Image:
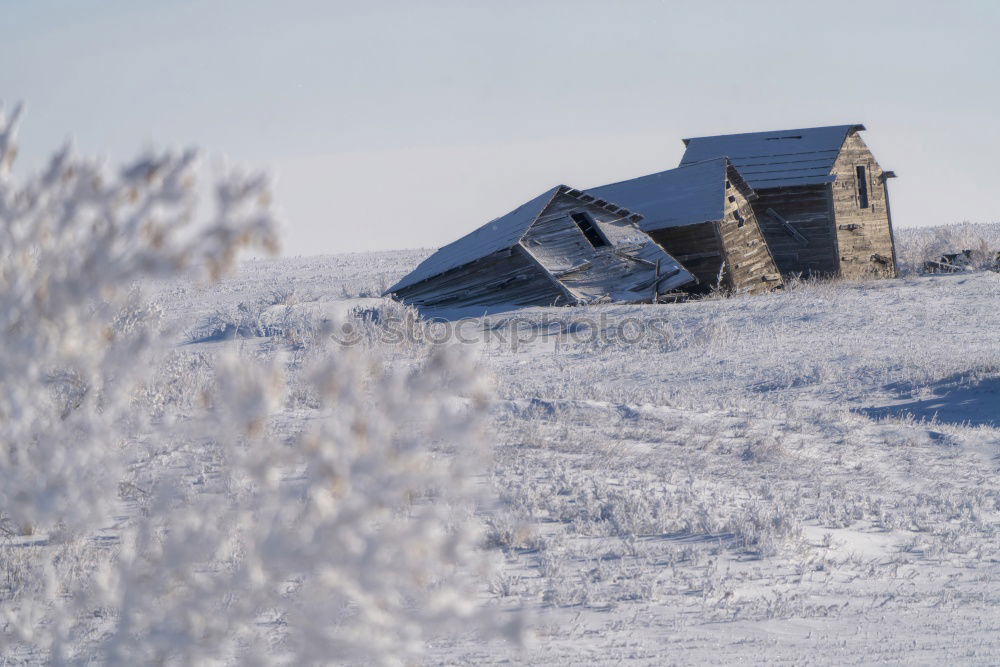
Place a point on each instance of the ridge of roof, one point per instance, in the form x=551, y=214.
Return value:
x=853, y=127
x=776, y=158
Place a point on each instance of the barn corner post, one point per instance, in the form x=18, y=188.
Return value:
x=656, y=282
x=725, y=276
x=838, y=263
x=886, y=175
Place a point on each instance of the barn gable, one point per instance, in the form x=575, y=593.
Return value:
x=700, y=214
x=562, y=247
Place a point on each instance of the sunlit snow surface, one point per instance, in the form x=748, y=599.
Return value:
x=810, y=476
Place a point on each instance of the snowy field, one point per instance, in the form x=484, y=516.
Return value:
x=805, y=477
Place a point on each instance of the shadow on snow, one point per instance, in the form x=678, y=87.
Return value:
x=976, y=404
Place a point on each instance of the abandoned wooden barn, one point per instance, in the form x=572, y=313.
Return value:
x=562, y=247
x=822, y=201
x=701, y=214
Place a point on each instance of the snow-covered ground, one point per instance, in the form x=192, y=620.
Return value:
x=809, y=476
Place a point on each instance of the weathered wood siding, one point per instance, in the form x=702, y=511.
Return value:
x=611, y=277
x=508, y=276
x=555, y=240
x=698, y=248
x=864, y=235
x=809, y=210
x=749, y=263
x=623, y=270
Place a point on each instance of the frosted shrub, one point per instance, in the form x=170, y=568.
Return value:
x=763, y=527
x=916, y=246
x=221, y=538
x=77, y=337
x=350, y=541
x=249, y=319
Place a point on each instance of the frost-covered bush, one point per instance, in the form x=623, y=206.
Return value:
x=763, y=527
x=154, y=507
x=78, y=338
x=247, y=319
x=918, y=245
x=351, y=539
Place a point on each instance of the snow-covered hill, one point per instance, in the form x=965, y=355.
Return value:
x=809, y=476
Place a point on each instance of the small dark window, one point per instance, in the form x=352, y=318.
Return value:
x=588, y=226
x=862, y=175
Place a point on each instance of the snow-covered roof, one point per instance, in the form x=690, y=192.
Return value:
x=496, y=235
x=686, y=195
x=776, y=159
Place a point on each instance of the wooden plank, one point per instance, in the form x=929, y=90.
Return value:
x=656, y=281
x=794, y=233
x=665, y=277
x=574, y=269
x=696, y=255
x=632, y=258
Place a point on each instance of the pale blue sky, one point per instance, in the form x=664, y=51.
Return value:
x=407, y=124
